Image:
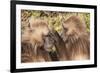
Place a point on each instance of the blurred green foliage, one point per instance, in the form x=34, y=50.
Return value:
x=55, y=19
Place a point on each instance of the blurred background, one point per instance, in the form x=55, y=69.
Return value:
x=53, y=18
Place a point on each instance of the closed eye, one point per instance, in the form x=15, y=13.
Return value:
x=47, y=35
x=32, y=31
x=66, y=29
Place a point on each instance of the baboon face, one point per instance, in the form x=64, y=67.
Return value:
x=41, y=33
x=68, y=28
x=39, y=30
x=73, y=26
x=48, y=42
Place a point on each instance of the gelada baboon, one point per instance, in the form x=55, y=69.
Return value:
x=61, y=51
x=76, y=38
x=35, y=42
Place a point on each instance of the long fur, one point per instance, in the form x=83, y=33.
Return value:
x=32, y=42
x=76, y=39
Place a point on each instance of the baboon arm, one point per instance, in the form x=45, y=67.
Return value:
x=60, y=46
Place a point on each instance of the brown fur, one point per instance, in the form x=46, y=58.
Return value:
x=61, y=51
x=76, y=38
x=28, y=55
x=32, y=42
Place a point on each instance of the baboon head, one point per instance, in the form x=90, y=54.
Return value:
x=76, y=38
x=48, y=43
x=73, y=26
x=40, y=33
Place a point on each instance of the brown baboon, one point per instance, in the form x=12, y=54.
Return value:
x=76, y=38
x=33, y=49
x=61, y=51
x=49, y=44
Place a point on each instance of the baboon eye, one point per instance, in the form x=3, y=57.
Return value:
x=66, y=29
x=32, y=30
x=47, y=35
